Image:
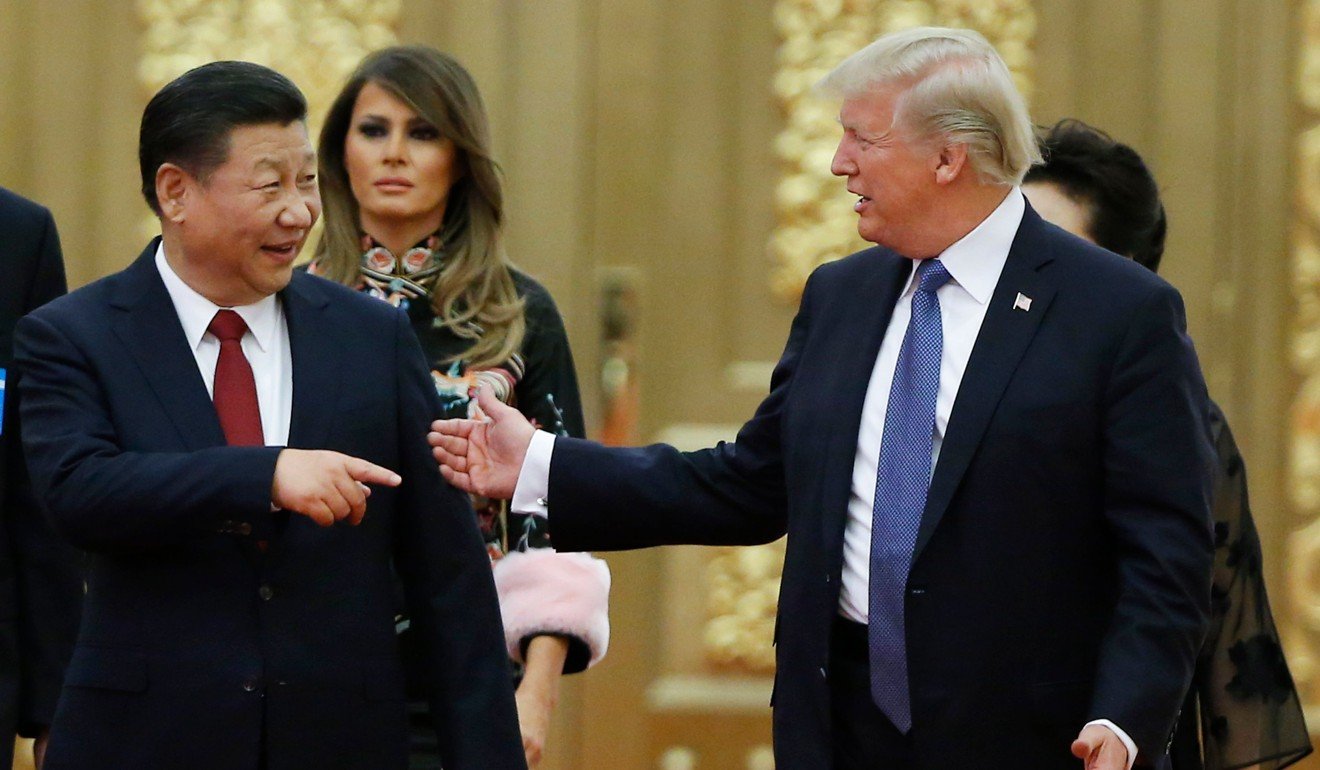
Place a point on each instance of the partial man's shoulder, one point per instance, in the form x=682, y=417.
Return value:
x=846, y=272
x=1085, y=267
x=18, y=208
x=82, y=305
x=345, y=299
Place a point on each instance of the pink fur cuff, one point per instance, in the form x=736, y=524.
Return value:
x=545, y=592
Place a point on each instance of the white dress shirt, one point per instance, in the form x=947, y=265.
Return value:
x=974, y=263
x=265, y=344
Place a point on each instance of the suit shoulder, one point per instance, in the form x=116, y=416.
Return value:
x=17, y=209
x=82, y=305
x=1085, y=267
x=851, y=268
x=345, y=300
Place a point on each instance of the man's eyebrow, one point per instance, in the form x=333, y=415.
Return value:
x=278, y=162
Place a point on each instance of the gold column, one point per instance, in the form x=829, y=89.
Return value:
x=1303, y=554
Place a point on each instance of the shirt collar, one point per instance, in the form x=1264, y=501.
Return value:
x=975, y=261
x=195, y=311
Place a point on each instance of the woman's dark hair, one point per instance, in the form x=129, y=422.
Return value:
x=187, y=122
x=1112, y=181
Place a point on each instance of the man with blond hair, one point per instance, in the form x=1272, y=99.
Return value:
x=993, y=471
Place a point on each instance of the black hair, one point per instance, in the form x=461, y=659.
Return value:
x=1113, y=182
x=188, y=122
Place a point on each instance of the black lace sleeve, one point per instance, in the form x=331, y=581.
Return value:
x=1243, y=694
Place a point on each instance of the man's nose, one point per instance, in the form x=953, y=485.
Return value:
x=299, y=214
x=842, y=164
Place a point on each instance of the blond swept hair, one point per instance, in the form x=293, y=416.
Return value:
x=955, y=88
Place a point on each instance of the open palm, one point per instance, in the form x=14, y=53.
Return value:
x=483, y=456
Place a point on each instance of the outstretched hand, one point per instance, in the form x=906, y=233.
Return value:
x=1100, y=748
x=483, y=456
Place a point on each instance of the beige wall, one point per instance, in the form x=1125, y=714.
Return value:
x=638, y=134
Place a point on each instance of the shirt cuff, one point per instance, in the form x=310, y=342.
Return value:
x=1122, y=736
x=529, y=496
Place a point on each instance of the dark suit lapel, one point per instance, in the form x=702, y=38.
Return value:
x=316, y=376
x=317, y=365
x=1005, y=334
x=855, y=348
x=149, y=328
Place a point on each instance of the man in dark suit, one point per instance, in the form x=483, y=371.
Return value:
x=206, y=425
x=986, y=441
x=40, y=580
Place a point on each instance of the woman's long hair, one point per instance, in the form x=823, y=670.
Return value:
x=474, y=294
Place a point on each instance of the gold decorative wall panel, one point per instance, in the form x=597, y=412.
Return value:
x=743, y=592
x=316, y=43
x=1303, y=555
x=815, y=223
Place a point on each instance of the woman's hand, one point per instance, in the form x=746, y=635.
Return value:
x=539, y=694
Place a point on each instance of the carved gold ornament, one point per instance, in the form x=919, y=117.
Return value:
x=316, y=43
x=1303, y=550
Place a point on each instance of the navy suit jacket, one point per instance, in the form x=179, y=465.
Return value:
x=1062, y=566
x=40, y=575
x=197, y=650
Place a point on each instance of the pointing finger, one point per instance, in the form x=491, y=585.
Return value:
x=361, y=470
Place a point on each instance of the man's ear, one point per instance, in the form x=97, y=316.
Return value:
x=950, y=162
x=173, y=187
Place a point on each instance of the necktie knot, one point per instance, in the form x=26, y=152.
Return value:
x=228, y=326
x=931, y=275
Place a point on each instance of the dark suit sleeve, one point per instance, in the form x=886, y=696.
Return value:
x=103, y=498
x=450, y=591
x=47, y=570
x=1158, y=467
x=604, y=499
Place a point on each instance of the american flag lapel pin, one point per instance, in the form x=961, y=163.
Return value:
x=1023, y=302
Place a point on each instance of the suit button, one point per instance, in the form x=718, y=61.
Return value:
x=823, y=675
x=244, y=528
x=250, y=685
x=827, y=577
x=266, y=593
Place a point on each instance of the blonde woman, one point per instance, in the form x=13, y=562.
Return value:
x=413, y=215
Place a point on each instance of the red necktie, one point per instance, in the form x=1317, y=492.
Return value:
x=235, y=391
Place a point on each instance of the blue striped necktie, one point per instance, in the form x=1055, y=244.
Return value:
x=901, y=484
